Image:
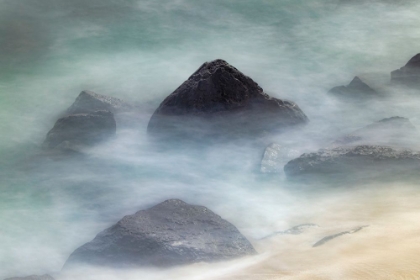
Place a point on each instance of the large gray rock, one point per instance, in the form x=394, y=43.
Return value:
x=81, y=130
x=349, y=161
x=396, y=131
x=170, y=233
x=408, y=75
x=89, y=101
x=356, y=89
x=32, y=277
x=219, y=100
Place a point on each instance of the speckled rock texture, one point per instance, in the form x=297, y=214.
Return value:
x=170, y=233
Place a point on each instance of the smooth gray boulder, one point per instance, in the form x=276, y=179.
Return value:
x=408, y=75
x=89, y=101
x=356, y=89
x=81, y=130
x=395, y=131
x=219, y=100
x=170, y=233
x=32, y=277
x=364, y=160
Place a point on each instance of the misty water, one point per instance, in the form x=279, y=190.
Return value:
x=141, y=51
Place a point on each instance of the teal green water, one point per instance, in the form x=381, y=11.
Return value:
x=141, y=51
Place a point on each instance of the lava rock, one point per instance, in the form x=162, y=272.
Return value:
x=408, y=75
x=394, y=131
x=89, y=101
x=364, y=160
x=356, y=89
x=81, y=130
x=170, y=233
x=219, y=100
x=32, y=277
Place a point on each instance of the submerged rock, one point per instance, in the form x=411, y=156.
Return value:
x=331, y=237
x=275, y=157
x=32, y=277
x=408, y=75
x=219, y=100
x=356, y=89
x=170, y=233
x=363, y=160
x=89, y=101
x=81, y=130
x=294, y=230
x=389, y=131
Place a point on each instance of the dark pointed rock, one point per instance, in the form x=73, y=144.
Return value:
x=366, y=161
x=219, y=100
x=170, y=233
x=356, y=89
x=408, y=75
x=81, y=130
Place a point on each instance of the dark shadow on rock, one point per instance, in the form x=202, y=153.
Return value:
x=357, y=90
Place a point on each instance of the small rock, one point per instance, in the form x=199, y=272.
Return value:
x=89, y=101
x=356, y=89
x=331, y=237
x=275, y=157
x=81, y=130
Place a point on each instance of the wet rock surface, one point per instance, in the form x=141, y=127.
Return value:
x=356, y=89
x=32, y=277
x=170, y=233
x=364, y=160
x=80, y=130
x=219, y=100
x=408, y=75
